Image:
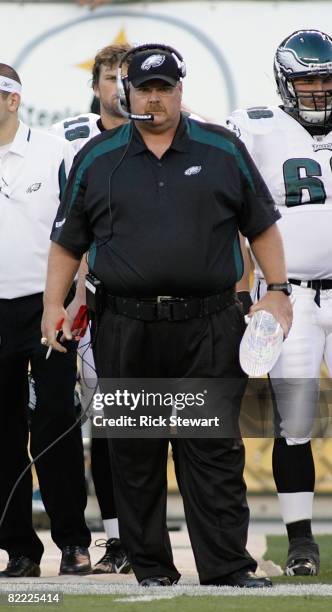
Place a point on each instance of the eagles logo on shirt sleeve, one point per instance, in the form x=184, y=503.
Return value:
x=234, y=128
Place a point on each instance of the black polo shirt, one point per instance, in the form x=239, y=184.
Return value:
x=168, y=226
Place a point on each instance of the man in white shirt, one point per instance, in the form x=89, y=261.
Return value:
x=33, y=167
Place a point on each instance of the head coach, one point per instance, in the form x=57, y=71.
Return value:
x=159, y=202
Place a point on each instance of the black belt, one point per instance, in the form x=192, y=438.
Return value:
x=317, y=285
x=168, y=308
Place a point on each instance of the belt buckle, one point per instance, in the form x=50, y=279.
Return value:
x=164, y=307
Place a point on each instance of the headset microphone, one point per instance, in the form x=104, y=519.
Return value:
x=133, y=116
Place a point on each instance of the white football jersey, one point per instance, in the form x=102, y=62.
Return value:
x=78, y=130
x=297, y=169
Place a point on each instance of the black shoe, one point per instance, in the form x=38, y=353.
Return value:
x=20, y=567
x=75, y=560
x=156, y=581
x=114, y=561
x=242, y=578
x=303, y=557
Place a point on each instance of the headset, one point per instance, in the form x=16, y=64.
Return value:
x=123, y=84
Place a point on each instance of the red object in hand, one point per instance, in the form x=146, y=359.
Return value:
x=81, y=322
x=59, y=324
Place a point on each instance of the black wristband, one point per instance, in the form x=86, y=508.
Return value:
x=246, y=301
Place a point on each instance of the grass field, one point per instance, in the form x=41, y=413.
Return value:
x=275, y=599
x=277, y=551
x=202, y=604
x=101, y=603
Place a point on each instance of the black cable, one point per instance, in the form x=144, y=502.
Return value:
x=110, y=178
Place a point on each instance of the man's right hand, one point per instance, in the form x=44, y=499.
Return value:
x=55, y=319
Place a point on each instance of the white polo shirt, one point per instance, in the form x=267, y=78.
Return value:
x=32, y=174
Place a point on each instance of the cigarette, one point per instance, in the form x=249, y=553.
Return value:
x=49, y=352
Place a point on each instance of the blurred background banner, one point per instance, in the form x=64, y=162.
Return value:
x=228, y=48
x=258, y=470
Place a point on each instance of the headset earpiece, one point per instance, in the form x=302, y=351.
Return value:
x=180, y=62
x=121, y=87
x=125, y=84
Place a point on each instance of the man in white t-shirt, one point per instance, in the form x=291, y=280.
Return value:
x=33, y=169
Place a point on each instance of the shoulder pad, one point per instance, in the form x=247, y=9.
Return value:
x=259, y=112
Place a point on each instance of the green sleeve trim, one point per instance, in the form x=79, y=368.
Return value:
x=120, y=139
x=62, y=179
x=92, y=255
x=238, y=258
x=199, y=134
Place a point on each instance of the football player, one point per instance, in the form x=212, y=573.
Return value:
x=292, y=147
x=79, y=130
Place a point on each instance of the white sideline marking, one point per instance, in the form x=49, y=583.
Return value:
x=145, y=598
x=129, y=591
x=301, y=590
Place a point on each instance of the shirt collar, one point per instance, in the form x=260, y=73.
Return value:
x=21, y=140
x=180, y=141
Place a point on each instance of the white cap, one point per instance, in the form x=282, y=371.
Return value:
x=261, y=344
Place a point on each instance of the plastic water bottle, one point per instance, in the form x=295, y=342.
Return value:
x=261, y=344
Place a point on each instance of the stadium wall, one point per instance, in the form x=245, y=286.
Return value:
x=228, y=47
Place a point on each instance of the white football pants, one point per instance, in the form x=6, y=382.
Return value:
x=295, y=377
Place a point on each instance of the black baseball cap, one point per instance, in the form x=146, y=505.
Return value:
x=153, y=64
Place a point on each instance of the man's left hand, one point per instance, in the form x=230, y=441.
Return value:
x=279, y=305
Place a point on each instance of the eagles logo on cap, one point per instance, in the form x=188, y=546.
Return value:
x=149, y=65
x=153, y=61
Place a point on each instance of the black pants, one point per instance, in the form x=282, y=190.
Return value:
x=209, y=470
x=102, y=476
x=61, y=470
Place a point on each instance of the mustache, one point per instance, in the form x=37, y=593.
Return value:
x=154, y=108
